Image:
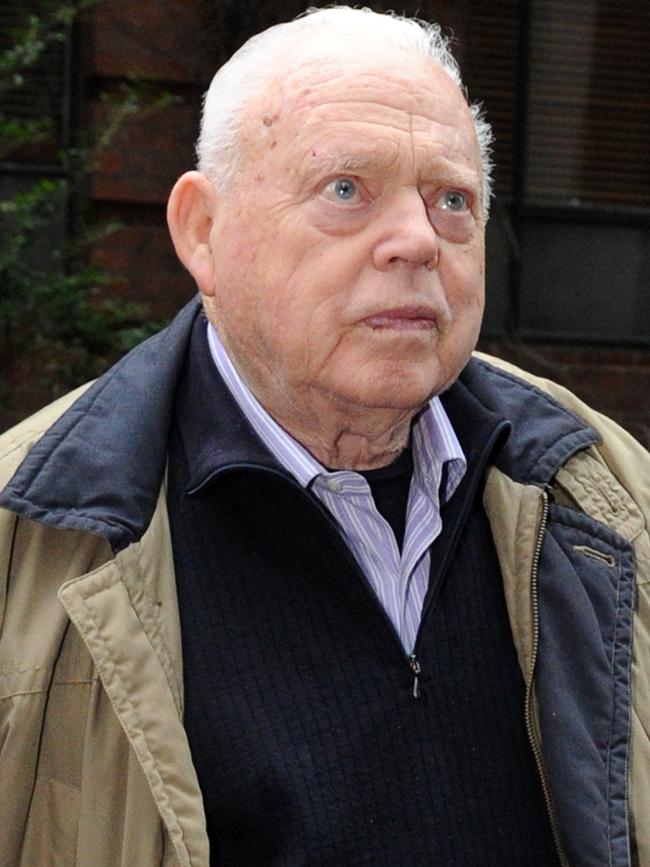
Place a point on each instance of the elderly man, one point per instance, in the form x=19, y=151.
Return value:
x=297, y=582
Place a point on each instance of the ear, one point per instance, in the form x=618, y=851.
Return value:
x=190, y=214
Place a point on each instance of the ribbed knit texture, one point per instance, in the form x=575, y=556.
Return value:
x=309, y=745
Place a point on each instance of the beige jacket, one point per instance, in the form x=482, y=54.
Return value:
x=95, y=767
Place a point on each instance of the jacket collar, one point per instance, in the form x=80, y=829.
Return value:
x=100, y=466
x=545, y=433
x=215, y=433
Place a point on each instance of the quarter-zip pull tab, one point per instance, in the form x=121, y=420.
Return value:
x=415, y=668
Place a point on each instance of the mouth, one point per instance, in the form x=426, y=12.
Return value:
x=402, y=319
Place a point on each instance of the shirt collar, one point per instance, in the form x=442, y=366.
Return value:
x=287, y=451
x=434, y=441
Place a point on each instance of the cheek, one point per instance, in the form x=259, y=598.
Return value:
x=467, y=311
x=464, y=278
x=241, y=252
x=314, y=295
x=309, y=325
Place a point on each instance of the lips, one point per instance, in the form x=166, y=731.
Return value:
x=402, y=319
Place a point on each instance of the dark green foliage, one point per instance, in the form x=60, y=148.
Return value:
x=59, y=324
x=57, y=311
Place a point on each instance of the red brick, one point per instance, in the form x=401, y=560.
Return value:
x=148, y=154
x=143, y=259
x=157, y=38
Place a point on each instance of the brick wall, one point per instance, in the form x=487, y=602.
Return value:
x=156, y=41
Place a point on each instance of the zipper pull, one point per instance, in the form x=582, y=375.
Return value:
x=415, y=668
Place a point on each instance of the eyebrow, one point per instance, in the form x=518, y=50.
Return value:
x=455, y=176
x=340, y=163
x=336, y=162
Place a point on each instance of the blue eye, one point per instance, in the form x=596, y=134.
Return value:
x=454, y=201
x=344, y=189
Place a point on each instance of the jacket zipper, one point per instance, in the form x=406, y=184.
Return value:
x=529, y=689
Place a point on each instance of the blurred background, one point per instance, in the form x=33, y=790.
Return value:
x=99, y=110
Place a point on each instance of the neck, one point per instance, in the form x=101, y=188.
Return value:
x=341, y=437
x=350, y=444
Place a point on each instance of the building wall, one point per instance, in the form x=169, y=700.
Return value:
x=159, y=42
x=177, y=44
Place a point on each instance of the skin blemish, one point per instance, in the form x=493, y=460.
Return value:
x=268, y=119
x=273, y=144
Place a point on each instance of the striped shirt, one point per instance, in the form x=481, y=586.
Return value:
x=399, y=579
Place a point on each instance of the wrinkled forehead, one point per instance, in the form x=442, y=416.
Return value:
x=307, y=80
x=371, y=89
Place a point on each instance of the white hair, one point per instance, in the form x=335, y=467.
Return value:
x=254, y=66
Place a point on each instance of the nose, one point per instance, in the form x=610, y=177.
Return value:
x=406, y=235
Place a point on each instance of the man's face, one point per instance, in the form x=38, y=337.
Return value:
x=348, y=253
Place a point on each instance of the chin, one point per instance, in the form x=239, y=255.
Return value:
x=399, y=388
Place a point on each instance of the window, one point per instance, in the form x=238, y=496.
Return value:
x=567, y=88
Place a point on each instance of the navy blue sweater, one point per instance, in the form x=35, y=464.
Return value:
x=310, y=746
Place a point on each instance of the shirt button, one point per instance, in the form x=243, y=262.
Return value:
x=334, y=486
